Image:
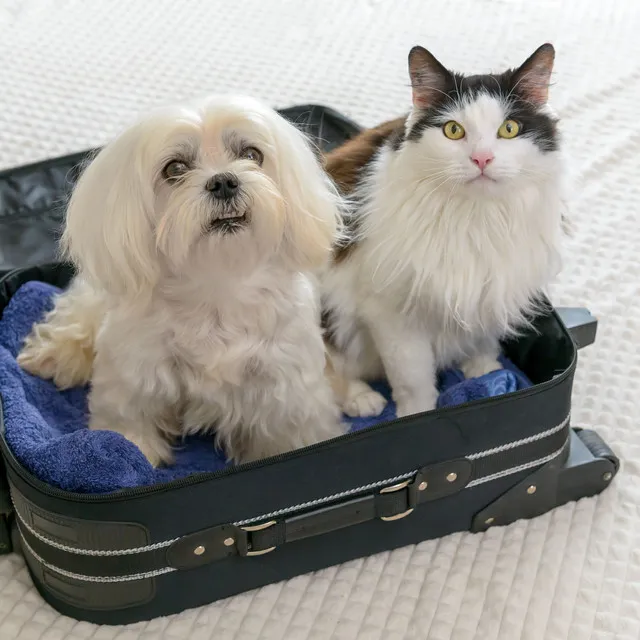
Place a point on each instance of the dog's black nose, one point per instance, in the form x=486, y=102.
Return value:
x=223, y=186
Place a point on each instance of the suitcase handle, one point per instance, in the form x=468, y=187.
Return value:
x=580, y=323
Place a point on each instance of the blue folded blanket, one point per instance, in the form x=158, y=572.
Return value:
x=47, y=429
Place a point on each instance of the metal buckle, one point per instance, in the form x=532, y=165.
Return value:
x=392, y=489
x=396, y=487
x=259, y=527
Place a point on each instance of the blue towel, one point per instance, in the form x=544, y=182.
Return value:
x=47, y=429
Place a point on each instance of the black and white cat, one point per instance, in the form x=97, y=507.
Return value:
x=458, y=227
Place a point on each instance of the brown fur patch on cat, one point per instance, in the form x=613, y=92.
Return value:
x=345, y=165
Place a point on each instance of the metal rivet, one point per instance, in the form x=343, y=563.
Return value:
x=229, y=542
x=607, y=476
x=532, y=489
x=422, y=486
x=452, y=477
x=489, y=521
x=199, y=550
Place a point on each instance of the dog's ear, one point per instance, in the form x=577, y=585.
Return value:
x=313, y=205
x=108, y=231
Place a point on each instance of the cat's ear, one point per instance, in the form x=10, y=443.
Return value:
x=428, y=77
x=531, y=80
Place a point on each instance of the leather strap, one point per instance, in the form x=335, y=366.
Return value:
x=389, y=504
x=397, y=501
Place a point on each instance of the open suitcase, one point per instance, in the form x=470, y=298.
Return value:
x=155, y=550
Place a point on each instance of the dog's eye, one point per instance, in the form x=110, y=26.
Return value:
x=175, y=169
x=253, y=154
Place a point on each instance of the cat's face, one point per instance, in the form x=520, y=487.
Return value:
x=482, y=132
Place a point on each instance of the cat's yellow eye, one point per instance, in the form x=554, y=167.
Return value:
x=453, y=130
x=509, y=129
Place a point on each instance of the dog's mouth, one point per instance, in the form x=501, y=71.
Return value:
x=230, y=222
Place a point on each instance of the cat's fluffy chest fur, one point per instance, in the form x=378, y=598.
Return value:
x=456, y=265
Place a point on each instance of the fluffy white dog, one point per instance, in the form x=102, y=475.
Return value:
x=196, y=234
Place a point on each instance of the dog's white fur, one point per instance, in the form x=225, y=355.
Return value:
x=445, y=267
x=196, y=329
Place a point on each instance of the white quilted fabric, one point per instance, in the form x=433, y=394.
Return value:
x=72, y=72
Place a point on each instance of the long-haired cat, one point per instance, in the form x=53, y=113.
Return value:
x=457, y=230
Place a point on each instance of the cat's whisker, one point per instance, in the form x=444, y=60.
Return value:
x=455, y=85
x=430, y=169
x=434, y=176
x=456, y=184
x=534, y=173
x=424, y=199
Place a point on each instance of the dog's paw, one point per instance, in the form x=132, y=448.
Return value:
x=67, y=363
x=480, y=366
x=156, y=450
x=362, y=401
x=37, y=363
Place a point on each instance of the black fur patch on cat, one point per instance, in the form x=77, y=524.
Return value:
x=534, y=124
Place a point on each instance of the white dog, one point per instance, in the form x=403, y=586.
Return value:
x=196, y=234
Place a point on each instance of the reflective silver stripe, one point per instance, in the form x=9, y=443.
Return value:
x=519, y=443
x=521, y=467
x=331, y=498
x=90, y=552
x=83, y=578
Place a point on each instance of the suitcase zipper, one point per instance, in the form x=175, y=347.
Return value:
x=135, y=492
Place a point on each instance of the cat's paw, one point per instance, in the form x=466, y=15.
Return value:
x=408, y=405
x=362, y=401
x=480, y=366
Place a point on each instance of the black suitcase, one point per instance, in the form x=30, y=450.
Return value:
x=151, y=551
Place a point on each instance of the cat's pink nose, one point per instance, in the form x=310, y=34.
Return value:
x=482, y=158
